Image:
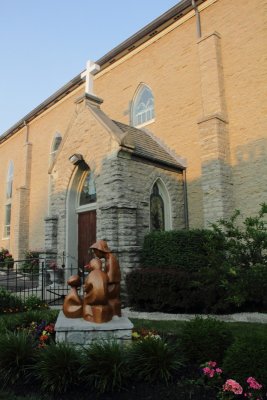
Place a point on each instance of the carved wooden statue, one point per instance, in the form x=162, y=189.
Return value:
x=101, y=299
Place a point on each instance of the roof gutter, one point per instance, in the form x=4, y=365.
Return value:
x=150, y=30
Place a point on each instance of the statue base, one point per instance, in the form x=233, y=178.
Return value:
x=79, y=331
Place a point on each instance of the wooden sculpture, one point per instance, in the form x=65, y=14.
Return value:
x=101, y=300
x=73, y=306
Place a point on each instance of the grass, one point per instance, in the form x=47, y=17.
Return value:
x=239, y=329
x=10, y=322
x=4, y=395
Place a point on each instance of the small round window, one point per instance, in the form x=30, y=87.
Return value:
x=88, y=192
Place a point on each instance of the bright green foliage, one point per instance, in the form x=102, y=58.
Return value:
x=152, y=359
x=205, y=339
x=246, y=357
x=16, y=358
x=245, y=241
x=244, y=270
x=58, y=367
x=104, y=366
x=221, y=270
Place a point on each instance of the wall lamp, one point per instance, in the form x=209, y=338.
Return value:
x=77, y=159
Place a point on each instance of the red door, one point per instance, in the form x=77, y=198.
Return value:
x=86, y=235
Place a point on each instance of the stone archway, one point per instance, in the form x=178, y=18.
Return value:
x=81, y=223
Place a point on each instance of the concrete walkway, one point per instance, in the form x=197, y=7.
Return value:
x=239, y=317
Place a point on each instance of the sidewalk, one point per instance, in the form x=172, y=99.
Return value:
x=239, y=317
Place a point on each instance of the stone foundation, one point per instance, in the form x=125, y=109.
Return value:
x=79, y=331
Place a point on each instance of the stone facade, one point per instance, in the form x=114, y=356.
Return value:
x=123, y=187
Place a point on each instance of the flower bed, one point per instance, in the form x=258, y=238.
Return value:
x=152, y=367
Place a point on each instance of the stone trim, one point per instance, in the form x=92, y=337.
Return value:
x=218, y=116
x=91, y=98
x=215, y=33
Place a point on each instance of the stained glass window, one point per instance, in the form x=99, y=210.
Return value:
x=88, y=192
x=157, y=222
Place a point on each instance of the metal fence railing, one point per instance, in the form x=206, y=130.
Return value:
x=37, y=278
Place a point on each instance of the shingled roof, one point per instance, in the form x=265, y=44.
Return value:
x=147, y=147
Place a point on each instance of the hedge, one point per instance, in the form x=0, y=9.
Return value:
x=209, y=290
x=188, y=249
x=173, y=290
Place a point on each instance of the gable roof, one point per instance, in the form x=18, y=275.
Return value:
x=145, y=146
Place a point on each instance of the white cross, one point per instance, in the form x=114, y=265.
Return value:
x=91, y=69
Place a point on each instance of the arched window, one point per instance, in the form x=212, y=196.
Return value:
x=9, y=181
x=159, y=208
x=143, y=111
x=9, y=193
x=88, y=192
x=55, y=145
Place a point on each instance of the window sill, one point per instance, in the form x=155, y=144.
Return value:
x=145, y=124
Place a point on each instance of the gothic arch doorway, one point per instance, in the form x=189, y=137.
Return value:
x=81, y=218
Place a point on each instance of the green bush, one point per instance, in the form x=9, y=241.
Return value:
x=104, y=366
x=31, y=263
x=246, y=357
x=6, y=259
x=152, y=360
x=187, y=249
x=34, y=303
x=16, y=358
x=220, y=270
x=174, y=290
x=58, y=367
x=9, y=303
x=205, y=339
x=244, y=241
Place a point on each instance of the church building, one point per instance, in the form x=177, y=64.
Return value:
x=166, y=131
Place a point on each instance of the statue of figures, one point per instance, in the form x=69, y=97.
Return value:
x=112, y=270
x=95, y=300
x=101, y=299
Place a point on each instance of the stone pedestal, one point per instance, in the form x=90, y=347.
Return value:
x=79, y=331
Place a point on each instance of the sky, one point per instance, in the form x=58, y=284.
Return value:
x=44, y=44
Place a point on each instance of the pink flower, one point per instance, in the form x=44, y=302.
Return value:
x=218, y=370
x=212, y=364
x=209, y=372
x=253, y=383
x=232, y=386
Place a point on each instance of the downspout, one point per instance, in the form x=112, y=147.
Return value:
x=197, y=18
x=27, y=131
x=185, y=201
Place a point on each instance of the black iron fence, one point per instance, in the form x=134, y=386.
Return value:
x=37, y=277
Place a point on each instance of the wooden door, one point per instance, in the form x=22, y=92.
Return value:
x=86, y=235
